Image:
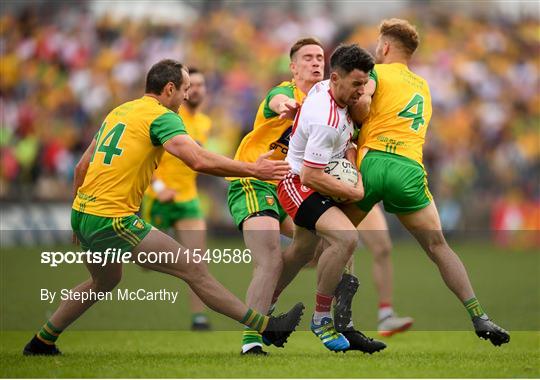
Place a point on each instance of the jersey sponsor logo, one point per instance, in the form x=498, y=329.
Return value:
x=269, y=200
x=282, y=144
x=391, y=145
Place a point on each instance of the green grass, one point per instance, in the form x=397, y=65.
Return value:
x=141, y=339
x=207, y=355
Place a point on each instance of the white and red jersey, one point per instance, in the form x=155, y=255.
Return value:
x=321, y=131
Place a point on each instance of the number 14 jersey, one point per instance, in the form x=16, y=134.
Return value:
x=128, y=150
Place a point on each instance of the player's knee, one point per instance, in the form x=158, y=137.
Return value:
x=272, y=262
x=347, y=242
x=382, y=251
x=268, y=251
x=437, y=244
x=194, y=272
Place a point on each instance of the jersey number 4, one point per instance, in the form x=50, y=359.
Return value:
x=109, y=144
x=414, y=110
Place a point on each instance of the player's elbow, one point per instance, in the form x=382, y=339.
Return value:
x=199, y=162
x=197, y=165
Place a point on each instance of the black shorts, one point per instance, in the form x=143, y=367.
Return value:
x=311, y=210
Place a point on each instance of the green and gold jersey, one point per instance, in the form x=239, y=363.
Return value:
x=269, y=131
x=400, y=112
x=128, y=149
x=174, y=172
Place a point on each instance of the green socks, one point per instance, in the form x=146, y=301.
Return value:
x=473, y=307
x=48, y=333
x=255, y=321
x=251, y=336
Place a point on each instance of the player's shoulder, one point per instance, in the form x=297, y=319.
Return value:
x=283, y=87
x=144, y=109
x=150, y=108
x=318, y=105
x=323, y=85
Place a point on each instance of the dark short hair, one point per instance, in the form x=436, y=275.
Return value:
x=163, y=72
x=194, y=70
x=346, y=58
x=401, y=31
x=303, y=42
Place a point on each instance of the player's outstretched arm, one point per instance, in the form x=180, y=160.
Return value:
x=361, y=109
x=204, y=161
x=284, y=106
x=318, y=180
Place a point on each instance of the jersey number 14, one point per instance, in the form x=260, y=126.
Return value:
x=414, y=110
x=109, y=144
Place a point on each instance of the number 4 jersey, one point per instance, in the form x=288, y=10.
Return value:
x=400, y=112
x=128, y=150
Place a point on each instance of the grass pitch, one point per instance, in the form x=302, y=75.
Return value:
x=127, y=339
x=216, y=354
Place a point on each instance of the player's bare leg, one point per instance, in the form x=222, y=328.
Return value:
x=300, y=252
x=214, y=294
x=336, y=229
x=262, y=238
x=102, y=279
x=425, y=226
x=192, y=233
x=374, y=235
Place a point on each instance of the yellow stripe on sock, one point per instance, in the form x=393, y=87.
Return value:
x=44, y=340
x=264, y=324
x=250, y=319
x=46, y=328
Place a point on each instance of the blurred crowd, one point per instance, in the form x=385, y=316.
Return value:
x=61, y=74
